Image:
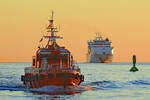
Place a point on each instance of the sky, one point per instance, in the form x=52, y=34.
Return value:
x=125, y=22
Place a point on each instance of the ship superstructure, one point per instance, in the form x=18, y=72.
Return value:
x=99, y=50
x=53, y=65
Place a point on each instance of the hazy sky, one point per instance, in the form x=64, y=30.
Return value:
x=125, y=22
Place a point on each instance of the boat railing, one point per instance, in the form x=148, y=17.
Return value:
x=57, y=68
x=75, y=67
x=51, y=68
x=32, y=70
x=28, y=70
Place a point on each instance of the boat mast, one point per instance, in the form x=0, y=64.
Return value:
x=98, y=36
x=52, y=30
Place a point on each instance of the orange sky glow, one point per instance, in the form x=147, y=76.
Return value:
x=125, y=22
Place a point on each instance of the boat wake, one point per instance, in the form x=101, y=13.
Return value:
x=105, y=85
x=51, y=90
x=97, y=85
x=140, y=82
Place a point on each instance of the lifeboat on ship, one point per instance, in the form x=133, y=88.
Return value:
x=52, y=65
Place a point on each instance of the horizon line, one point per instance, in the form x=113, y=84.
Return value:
x=75, y=62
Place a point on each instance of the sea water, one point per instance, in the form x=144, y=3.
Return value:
x=111, y=81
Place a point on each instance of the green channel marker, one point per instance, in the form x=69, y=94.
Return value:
x=134, y=69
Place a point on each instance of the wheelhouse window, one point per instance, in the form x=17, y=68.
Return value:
x=53, y=57
x=64, y=57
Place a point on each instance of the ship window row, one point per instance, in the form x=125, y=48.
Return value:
x=55, y=57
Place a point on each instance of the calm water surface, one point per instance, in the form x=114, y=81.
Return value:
x=102, y=82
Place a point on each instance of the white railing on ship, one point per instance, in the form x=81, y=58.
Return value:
x=31, y=70
x=52, y=68
x=28, y=70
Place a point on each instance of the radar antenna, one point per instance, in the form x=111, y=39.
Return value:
x=52, y=30
x=98, y=36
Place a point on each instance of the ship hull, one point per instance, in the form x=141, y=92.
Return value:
x=52, y=79
x=99, y=58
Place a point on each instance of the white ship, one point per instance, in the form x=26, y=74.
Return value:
x=99, y=50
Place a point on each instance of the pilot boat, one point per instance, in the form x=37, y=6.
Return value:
x=52, y=65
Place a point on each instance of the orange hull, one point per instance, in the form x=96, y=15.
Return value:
x=52, y=79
